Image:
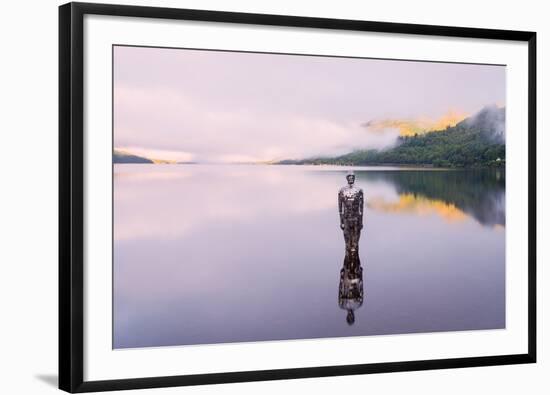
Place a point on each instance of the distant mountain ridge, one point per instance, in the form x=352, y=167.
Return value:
x=477, y=141
x=125, y=157
x=120, y=156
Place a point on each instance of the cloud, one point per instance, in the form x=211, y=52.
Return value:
x=166, y=124
x=491, y=119
x=218, y=106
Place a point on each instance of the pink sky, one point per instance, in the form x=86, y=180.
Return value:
x=229, y=106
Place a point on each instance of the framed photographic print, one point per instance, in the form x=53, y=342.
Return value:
x=258, y=197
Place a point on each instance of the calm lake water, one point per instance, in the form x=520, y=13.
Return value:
x=236, y=253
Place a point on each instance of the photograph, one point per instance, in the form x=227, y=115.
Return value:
x=275, y=197
x=270, y=197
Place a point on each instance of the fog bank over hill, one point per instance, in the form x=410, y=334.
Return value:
x=477, y=141
x=491, y=120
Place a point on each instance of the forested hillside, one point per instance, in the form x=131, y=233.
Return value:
x=477, y=141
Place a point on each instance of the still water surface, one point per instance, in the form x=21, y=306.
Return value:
x=235, y=253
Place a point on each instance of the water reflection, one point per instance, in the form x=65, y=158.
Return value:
x=419, y=205
x=435, y=260
x=452, y=195
x=350, y=290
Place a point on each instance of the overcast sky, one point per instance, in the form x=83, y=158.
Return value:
x=229, y=106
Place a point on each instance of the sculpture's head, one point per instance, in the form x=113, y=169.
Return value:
x=350, y=177
x=350, y=318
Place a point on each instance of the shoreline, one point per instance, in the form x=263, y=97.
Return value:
x=385, y=166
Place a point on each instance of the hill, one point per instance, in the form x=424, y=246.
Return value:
x=124, y=157
x=477, y=141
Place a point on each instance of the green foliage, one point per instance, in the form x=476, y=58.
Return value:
x=462, y=146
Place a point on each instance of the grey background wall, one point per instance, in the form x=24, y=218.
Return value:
x=28, y=198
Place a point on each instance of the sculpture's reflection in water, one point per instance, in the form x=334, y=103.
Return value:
x=350, y=291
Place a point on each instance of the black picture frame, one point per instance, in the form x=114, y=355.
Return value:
x=71, y=195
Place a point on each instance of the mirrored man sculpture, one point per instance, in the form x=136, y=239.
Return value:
x=350, y=206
